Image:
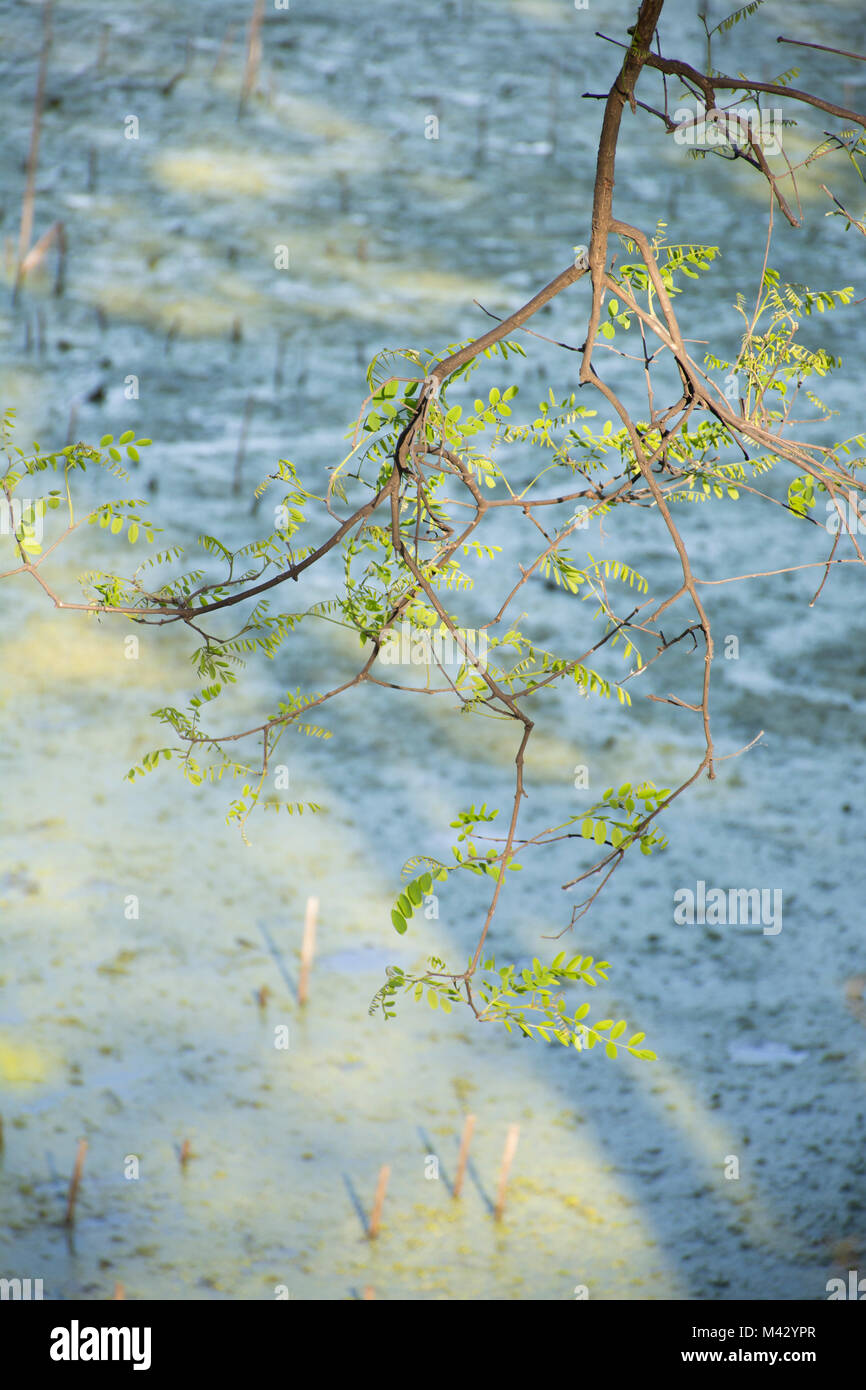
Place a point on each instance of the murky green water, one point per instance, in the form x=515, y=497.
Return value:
x=138, y=1032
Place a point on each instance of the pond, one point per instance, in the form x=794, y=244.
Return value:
x=150, y=956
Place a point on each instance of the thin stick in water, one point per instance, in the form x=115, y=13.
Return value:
x=56, y=235
x=505, y=1167
x=242, y=444
x=75, y=1181
x=308, y=947
x=379, y=1201
x=278, y=364
x=26, y=231
x=254, y=52
x=227, y=38
x=465, y=1141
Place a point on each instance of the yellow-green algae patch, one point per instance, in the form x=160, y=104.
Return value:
x=21, y=1062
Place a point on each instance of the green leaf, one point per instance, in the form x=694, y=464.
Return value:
x=400, y=923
